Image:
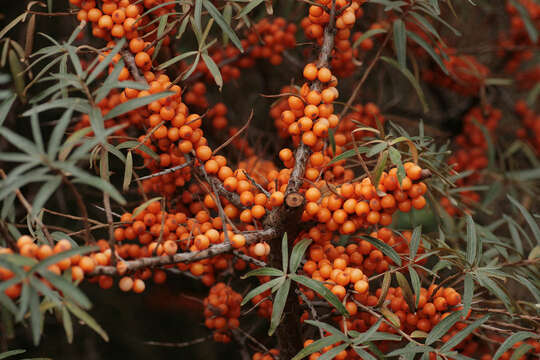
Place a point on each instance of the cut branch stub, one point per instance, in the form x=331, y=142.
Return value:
x=294, y=200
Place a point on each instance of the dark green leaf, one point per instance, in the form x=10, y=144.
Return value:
x=407, y=292
x=320, y=289
x=317, y=345
x=44, y=193
x=471, y=239
x=298, y=253
x=7, y=354
x=384, y=248
x=429, y=49
x=222, y=23
x=525, y=16
x=400, y=42
x=368, y=34
x=330, y=354
x=411, y=79
x=247, y=9
x=532, y=223
x=285, y=252
x=266, y=271
x=415, y=281
x=376, y=149
x=35, y=316
x=511, y=340
x=85, y=317
x=349, y=153
x=279, y=304
x=415, y=241
x=460, y=336
x=443, y=326
x=262, y=288
x=468, y=292
x=5, y=107
x=68, y=289
x=135, y=104
x=102, y=65
x=68, y=324
x=214, y=69
x=128, y=171
x=43, y=264
x=326, y=327
x=395, y=157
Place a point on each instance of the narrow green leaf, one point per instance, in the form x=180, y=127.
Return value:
x=411, y=79
x=265, y=271
x=384, y=248
x=5, y=107
x=471, y=239
x=415, y=241
x=262, y=288
x=35, y=316
x=390, y=316
x=85, y=317
x=376, y=149
x=279, y=304
x=43, y=264
x=520, y=351
x=18, y=141
x=407, y=292
x=327, y=327
x=363, y=353
x=443, y=326
x=222, y=23
x=102, y=65
x=525, y=16
x=7, y=354
x=468, y=292
x=320, y=289
x=429, y=49
x=368, y=34
x=395, y=158
x=316, y=346
x=135, y=104
x=511, y=340
x=330, y=354
x=285, y=252
x=532, y=223
x=366, y=336
x=68, y=289
x=248, y=8
x=214, y=69
x=460, y=336
x=298, y=253
x=400, y=42
x=350, y=153
x=128, y=171
x=415, y=281
x=385, y=286
x=59, y=132
x=68, y=324
x=45, y=192
x=176, y=59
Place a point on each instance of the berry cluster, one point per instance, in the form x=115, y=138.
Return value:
x=466, y=74
x=222, y=310
x=514, y=44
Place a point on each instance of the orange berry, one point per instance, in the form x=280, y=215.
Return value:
x=310, y=71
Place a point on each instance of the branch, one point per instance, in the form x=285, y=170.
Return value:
x=187, y=257
x=132, y=67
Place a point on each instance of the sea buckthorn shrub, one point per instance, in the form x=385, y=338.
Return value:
x=329, y=179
